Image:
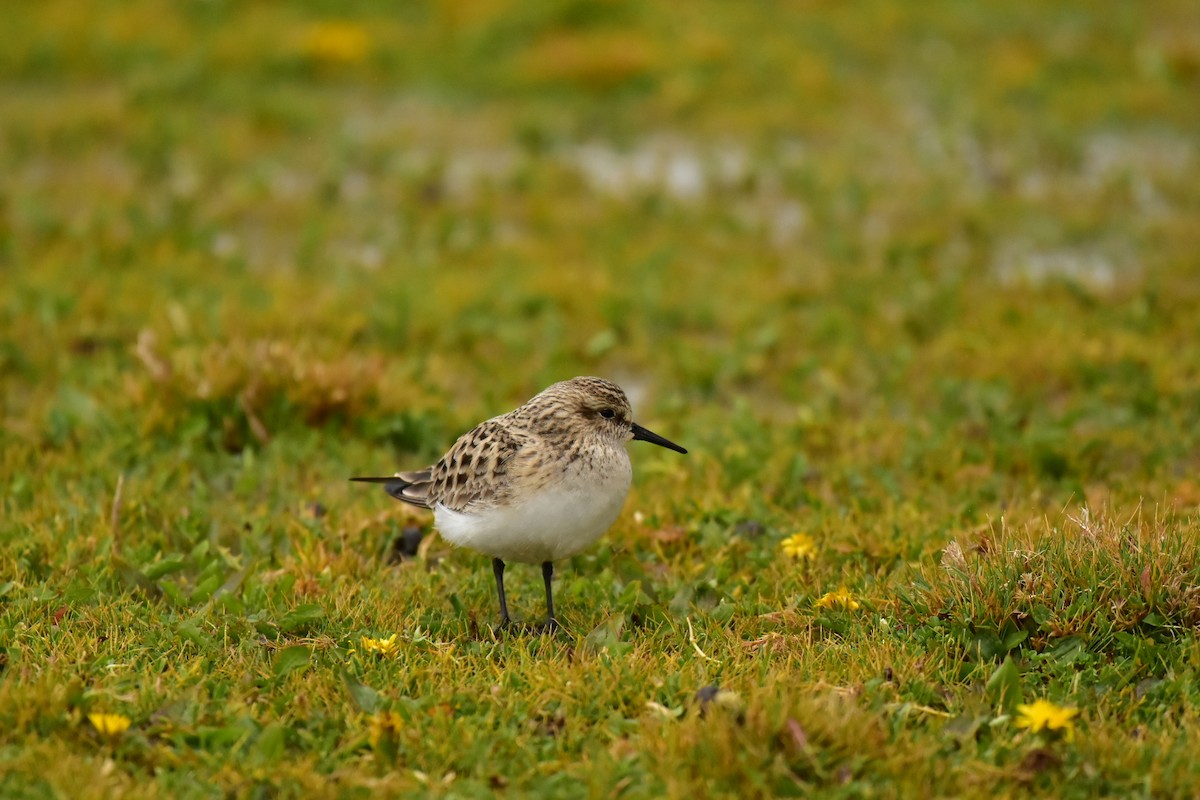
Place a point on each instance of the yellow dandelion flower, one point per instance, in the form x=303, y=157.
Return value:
x=1044, y=715
x=384, y=735
x=337, y=43
x=841, y=598
x=799, y=546
x=109, y=725
x=387, y=648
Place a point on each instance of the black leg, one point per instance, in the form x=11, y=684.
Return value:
x=547, y=575
x=498, y=571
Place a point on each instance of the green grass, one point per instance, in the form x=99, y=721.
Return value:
x=919, y=282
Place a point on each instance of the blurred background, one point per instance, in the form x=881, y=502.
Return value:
x=847, y=253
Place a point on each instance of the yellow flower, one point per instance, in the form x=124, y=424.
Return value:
x=388, y=647
x=384, y=735
x=1044, y=715
x=800, y=545
x=337, y=42
x=841, y=597
x=110, y=725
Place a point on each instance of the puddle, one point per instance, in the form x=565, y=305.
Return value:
x=1096, y=270
x=679, y=169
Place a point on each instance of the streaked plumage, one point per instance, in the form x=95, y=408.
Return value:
x=537, y=484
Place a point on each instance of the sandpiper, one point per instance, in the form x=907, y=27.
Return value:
x=537, y=484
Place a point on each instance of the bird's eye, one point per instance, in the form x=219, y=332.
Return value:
x=608, y=413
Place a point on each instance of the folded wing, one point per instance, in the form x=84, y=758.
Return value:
x=474, y=474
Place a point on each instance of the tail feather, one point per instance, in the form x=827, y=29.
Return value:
x=408, y=487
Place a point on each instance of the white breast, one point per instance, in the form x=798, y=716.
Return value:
x=553, y=523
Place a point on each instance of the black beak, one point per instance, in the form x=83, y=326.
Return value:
x=640, y=434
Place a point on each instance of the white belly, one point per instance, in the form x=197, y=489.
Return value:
x=554, y=523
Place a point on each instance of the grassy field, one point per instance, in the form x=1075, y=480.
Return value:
x=916, y=285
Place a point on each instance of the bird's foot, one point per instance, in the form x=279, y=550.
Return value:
x=506, y=625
